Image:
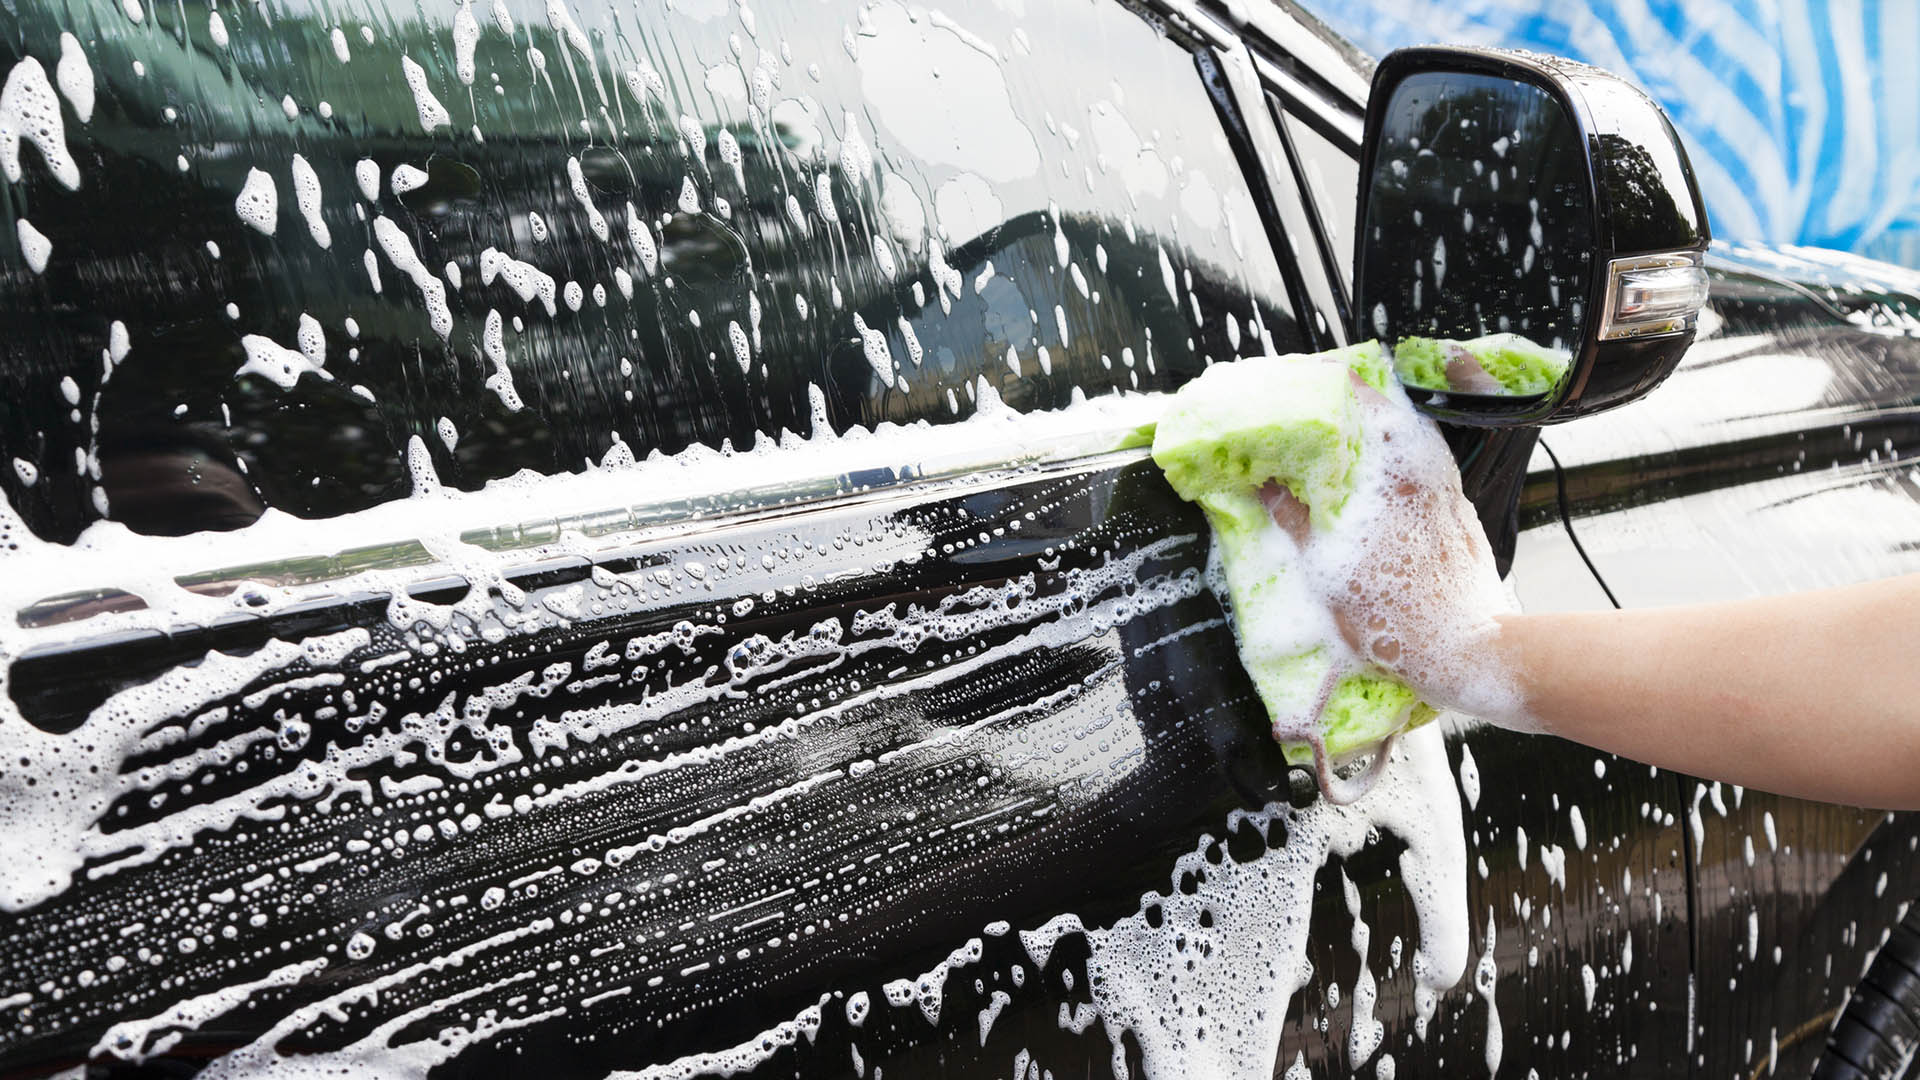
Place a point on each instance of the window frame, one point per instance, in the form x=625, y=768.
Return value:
x=1227, y=67
x=1338, y=119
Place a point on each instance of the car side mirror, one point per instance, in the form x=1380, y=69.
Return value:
x=1530, y=237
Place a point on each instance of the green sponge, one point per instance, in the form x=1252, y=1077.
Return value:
x=1293, y=419
x=1240, y=424
x=1520, y=366
x=1422, y=362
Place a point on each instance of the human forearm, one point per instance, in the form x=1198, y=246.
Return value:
x=1815, y=695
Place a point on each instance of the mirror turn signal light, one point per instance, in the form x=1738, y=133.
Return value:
x=1653, y=295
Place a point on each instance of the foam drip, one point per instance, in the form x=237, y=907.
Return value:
x=1248, y=924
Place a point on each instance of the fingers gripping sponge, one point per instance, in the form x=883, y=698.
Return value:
x=1293, y=419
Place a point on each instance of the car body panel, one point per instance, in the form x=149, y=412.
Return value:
x=587, y=773
x=1776, y=458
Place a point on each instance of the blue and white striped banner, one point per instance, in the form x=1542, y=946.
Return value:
x=1802, y=117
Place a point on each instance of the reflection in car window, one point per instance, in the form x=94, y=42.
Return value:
x=258, y=265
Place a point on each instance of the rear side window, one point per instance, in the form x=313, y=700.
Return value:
x=250, y=269
x=1332, y=178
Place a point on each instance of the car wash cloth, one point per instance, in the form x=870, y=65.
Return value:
x=1295, y=420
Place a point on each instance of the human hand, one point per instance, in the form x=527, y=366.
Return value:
x=1406, y=572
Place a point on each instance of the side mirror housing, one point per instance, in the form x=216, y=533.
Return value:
x=1530, y=236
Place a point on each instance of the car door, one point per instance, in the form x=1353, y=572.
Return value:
x=568, y=539
x=1577, y=889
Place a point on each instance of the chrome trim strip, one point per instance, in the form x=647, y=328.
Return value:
x=1350, y=125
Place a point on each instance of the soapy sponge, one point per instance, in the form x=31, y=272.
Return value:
x=1293, y=419
x=1240, y=424
x=1520, y=366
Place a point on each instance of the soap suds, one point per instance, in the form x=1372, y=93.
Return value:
x=1250, y=922
x=75, y=77
x=1426, y=555
x=577, y=181
x=525, y=279
x=306, y=195
x=276, y=363
x=29, y=110
x=1485, y=975
x=34, y=245
x=259, y=202
x=366, y=173
x=466, y=35
x=432, y=114
x=400, y=252
x=406, y=177
x=433, y=785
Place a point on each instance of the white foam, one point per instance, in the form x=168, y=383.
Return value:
x=366, y=172
x=1553, y=859
x=493, y=343
x=577, y=181
x=728, y=148
x=1249, y=953
x=57, y=816
x=1364, y=1033
x=75, y=76
x=374, y=1053
x=406, y=177
x=276, y=363
x=874, y=344
x=466, y=34
x=525, y=279
x=856, y=160
x=643, y=244
x=137, y=1040
x=312, y=340
x=740, y=1058
x=258, y=203
x=1469, y=777
x=432, y=113
x=1485, y=974
x=306, y=195
x=741, y=351
x=34, y=245
x=433, y=291
x=29, y=110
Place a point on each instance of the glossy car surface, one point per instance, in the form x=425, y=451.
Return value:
x=552, y=670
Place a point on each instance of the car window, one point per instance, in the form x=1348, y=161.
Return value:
x=291, y=263
x=1332, y=176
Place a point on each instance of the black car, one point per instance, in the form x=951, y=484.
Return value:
x=597, y=539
